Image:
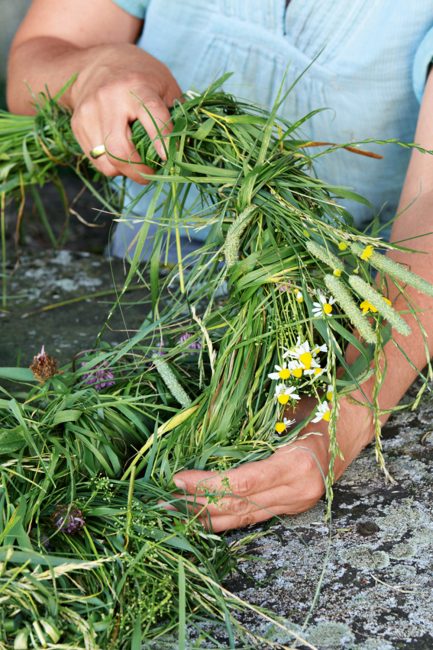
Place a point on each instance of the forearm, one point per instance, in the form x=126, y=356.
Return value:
x=43, y=63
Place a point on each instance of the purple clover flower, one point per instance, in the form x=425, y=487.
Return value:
x=99, y=377
x=68, y=519
x=194, y=345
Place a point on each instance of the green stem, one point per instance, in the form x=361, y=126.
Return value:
x=3, y=245
x=43, y=215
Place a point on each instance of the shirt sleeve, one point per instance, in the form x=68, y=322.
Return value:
x=423, y=60
x=135, y=7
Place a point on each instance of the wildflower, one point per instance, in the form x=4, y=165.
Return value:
x=330, y=392
x=68, y=519
x=367, y=253
x=43, y=366
x=282, y=372
x=280, y=427
x=323, y=412
x=324, y=306
x=194, y=345
x=304, y=358
x=296, y=369
x=342, y=246
x=298, y=296
x=100, y=376
x=284, y=393
x=337, y=273
x=316, y=370
x=367, y=307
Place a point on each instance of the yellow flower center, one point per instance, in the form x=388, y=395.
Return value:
x=342, y=246
x=299, y=297
x=317, y=371
x=327, y=308
x=284, y=373
x=297, y=372
x=326, y=416
x=329, y=395
x=283, y=399
x=306, y=358
x=337, y=273
x=367, y=252
x=280, y=427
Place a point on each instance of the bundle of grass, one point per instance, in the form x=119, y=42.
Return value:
x=238, y=332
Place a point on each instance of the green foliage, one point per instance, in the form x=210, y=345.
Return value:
x=253, y=297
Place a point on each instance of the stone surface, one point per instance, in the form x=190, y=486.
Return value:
x=62, y=300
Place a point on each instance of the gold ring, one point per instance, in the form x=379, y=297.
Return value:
x=98, y=151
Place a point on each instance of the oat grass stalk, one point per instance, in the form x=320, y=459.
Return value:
x=366, y=291
x=350, y=308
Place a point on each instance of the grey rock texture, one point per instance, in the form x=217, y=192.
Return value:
x=62, y=300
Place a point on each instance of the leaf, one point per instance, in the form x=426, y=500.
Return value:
x=17, y=374
x=68, y=415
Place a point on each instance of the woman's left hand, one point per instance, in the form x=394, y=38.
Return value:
x=290, y=481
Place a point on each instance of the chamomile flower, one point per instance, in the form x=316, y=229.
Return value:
x=282, y=373
x=323, y=412
x=323, y=307
x=320, y=348
x=304, y=359
x=330, y=392
x=296, y=369
x=298, y=296
x=280, y=427
x=315, y=370
x=285, y=393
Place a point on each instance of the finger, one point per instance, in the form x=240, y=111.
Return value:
x=245, y=480
x=156, y=119
x=295, y=498
x=92, y=128
x=122, y=155
x=230, y=522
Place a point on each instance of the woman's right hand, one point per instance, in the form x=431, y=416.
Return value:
x=122, y=84
x=117, y=82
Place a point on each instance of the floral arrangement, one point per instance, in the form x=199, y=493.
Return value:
x=237, y=333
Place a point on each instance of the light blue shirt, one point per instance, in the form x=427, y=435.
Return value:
x=369, y=62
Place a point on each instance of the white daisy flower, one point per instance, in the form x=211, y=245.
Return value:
x=323, y=307
x=323, y=412
x=285, y=393
x=330, y=392
x=282, y=373
x=280, y=427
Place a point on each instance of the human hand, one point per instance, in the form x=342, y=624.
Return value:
x=121, y=84
x=290, y=481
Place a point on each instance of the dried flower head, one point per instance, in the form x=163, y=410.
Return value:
x=68, y=519
x=44, y=366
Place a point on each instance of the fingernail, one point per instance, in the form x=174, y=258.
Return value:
x=179, y=483
x=160, y=149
